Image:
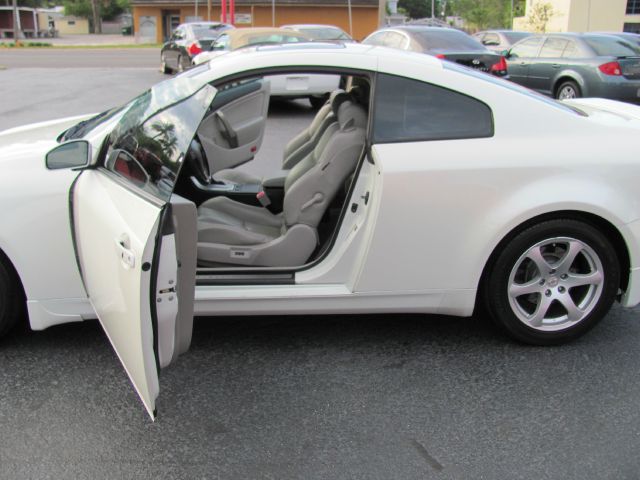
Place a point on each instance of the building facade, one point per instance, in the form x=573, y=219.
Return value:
x=586, y=16
x=154, y=20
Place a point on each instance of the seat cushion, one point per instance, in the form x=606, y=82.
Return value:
x=225, y=221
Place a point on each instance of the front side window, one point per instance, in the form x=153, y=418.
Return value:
x=148, y=145
x=526, y=48
x=410, y=110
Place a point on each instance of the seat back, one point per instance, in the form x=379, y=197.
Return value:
x=312, y=184
x=300, y=146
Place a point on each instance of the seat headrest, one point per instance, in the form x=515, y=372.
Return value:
x=351, y=115
x=337, y=98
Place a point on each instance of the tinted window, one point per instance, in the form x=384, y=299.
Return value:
x=410, y=110
x=208, y=31
x=327, y=33
x=446, y=40
x=553, y=47
x=514, y=37
x=572, y=50
x=526, y=48
x=375, y=39
x=611, y=46
x=395, y=40
x=148, y=150
x=491, y=39
x=272, y=38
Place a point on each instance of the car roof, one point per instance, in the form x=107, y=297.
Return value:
x=310, y=25
x=203, y=24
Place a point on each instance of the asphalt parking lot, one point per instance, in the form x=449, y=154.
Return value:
x=313, y=397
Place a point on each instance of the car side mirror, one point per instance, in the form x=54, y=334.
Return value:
x=72, y=154
x=506, y=53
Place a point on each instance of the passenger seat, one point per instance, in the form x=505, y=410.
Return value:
x=298, y=147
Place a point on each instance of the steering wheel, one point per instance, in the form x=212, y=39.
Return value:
x=198, y=162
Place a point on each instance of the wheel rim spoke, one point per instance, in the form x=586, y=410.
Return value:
x=518, y=289
x=537, y=317
x=573, y=249
x=579, y=280
x=535, y=255
x=573, y=311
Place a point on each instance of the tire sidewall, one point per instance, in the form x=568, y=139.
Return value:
x=498, y=280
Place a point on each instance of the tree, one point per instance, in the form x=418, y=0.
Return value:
x=483, y=14
x=539, y=16
x=420, y=8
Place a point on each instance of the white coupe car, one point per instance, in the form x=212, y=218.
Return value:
x=422, y=187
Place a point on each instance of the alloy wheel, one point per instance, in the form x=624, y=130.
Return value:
x=555, y=284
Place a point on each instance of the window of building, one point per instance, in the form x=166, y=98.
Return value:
x=633, y=7
x=411, y=110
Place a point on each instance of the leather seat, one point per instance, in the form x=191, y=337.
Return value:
x=298, y=147
x=230, y=232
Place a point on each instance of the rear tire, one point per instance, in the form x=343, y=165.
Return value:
x=552, y=282
x=568, y=90
x=11, y=298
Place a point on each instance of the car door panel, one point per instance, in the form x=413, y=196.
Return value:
x=232, y=134
x=116, y=229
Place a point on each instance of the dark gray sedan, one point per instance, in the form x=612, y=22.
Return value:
x=445, y=43
x=570, y=65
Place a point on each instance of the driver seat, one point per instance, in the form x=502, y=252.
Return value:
x=298, y=147
x=231, y=232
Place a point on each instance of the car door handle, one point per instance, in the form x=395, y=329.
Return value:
x=555, y=65
x=126, y=255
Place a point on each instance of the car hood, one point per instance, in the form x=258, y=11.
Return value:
x=35, y=132
x=34, y=139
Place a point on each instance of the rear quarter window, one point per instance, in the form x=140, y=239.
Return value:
x=410, y=110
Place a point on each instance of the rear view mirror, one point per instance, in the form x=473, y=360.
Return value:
x=72, y=154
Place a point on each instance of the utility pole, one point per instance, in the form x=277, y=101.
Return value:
x=433, y=8
x=16, y=22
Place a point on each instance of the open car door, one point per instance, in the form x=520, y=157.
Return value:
x=135, y=242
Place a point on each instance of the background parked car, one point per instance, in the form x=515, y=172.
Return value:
x=445, y=43
x=188, y=40
x=500, y=40
x=321, y=33
x=570, y=65
x=315, y=87
x=632, y=38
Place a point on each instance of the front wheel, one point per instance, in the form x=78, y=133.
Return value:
x=552, y=282
x=568, y=90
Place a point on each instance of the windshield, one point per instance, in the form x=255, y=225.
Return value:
x=514, y=37
x=272, y=38
x=611, y=46
x=447, y=40
x=326, y=33
x=208, y=31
